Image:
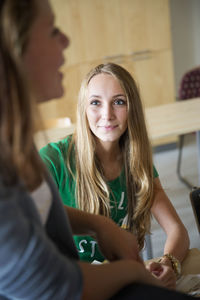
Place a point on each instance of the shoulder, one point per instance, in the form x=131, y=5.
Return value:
x=15, y=205
x=8, y=192
x=55, y=150
x=19, y=219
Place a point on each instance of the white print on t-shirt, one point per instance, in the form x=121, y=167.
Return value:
x=121, y=202
x=84, y=243
x=93, y=246
x=120, y=222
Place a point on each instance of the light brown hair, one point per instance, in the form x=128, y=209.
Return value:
x=92, y=191
x=18, y=156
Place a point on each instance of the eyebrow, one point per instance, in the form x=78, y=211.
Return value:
x=118, y=95
x=94, y=96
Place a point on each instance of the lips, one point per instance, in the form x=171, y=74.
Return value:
x=108, y=127
x=61, y=69
x=61, y=64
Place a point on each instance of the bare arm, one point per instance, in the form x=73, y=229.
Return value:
x=177, y=242
x=103, y=281
x=81, y=222
x=115, y=243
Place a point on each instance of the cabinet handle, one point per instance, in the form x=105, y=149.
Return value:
x=142, y=57
x=136, y=55
x=114, y=57
x=142, y=52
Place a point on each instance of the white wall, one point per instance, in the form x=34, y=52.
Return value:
x=185, y=27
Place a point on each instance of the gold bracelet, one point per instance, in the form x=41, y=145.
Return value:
x=176, y=265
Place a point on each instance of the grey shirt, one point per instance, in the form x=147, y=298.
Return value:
x=36, y=262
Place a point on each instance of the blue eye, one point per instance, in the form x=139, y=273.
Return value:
x=120, y=102
x=94, y=102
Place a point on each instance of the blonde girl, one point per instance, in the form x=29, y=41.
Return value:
x=106, y=167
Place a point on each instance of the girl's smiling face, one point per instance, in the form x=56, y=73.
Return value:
x=106, y=108
x=44, y=55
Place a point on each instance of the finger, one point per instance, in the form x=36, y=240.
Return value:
x=168, y=279
x=157, y=273
x=171, y=284
x=154, y=266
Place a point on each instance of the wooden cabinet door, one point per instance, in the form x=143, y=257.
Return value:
x=153, y=73
x=93, y=26
x=155, y=78
x=101, y=28
x=145, y=25
x=158, y=24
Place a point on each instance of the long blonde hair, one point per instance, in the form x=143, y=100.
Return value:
x=92, y=192
x=18, y=158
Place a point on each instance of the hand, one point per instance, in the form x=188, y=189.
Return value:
x=105, y=280
x=116, y=243
x=164, y=273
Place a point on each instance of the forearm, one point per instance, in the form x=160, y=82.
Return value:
x=102, y=282
x=115, y=243
x=85, y=223
x=177, y=242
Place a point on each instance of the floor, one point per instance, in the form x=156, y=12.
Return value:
x=165, y=162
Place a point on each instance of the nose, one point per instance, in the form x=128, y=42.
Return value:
x=64, y=40
x=107, y=112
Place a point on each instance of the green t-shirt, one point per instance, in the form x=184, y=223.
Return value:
x=54, y=156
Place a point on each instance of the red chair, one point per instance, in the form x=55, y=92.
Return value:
x=189, y=88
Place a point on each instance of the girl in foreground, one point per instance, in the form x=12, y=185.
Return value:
x=38, y=259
